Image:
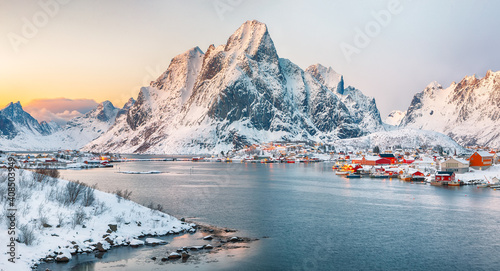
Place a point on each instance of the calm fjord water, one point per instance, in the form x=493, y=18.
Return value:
x=316, y=220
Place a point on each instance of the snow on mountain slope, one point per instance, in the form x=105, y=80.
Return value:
x=81, y=130
x=394, y=118
x=22, y=132
x=468, y=111
x=405, y=138
x=234, y=95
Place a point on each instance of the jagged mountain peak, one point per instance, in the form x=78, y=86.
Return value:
x=252, y=38
x=13, y=108
x=194, y=52
x=104, y=112
x=434, y=85
x=327, y=77
x=322, y=69
x=186, y=66
x=129, y=103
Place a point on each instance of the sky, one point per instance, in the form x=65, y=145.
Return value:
x=106, y=50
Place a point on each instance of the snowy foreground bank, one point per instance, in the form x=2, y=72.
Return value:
x=54, y=218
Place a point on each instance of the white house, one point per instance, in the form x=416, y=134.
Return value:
x=455, y=165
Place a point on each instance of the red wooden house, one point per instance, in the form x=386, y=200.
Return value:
x=371, y=161
x=444, y=177
x=418, y=174
x=481, y=160
x=390, y=157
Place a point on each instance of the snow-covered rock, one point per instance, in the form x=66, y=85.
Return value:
x=155, y=241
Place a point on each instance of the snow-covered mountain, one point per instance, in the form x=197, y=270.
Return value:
x=81, y=130
x=395, y=117
x=237, y=94
x=14, y=120
x=468, y=111
x=20, y=131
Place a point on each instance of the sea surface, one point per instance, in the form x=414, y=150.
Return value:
x=307, y=218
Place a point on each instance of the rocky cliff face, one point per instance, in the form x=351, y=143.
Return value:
x=467, y=111
x=237, y=94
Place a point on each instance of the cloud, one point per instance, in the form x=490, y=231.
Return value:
x=59, y=110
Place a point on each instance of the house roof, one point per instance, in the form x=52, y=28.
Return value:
x=387, y=155
x=445, y=173
x=460, y=160
x=371, y=158
x=484, y=154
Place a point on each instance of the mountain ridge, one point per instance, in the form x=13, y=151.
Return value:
x=466, y=111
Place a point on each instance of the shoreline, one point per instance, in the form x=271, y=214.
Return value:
x=200, y=247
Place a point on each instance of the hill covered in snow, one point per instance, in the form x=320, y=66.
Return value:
x=53, y=220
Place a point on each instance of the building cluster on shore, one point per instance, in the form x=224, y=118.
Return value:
x=60, y=159
x=431, y=165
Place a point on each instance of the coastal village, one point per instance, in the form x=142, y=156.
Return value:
x=433, y=165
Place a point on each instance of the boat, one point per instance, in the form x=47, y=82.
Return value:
x=418, y=178
x=405, y=177
x=454, y=183
x=341, y=173
x=352, y=176
x=381, y=175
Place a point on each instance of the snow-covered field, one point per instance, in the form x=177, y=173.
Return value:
x=52, y=221
x=486, y=175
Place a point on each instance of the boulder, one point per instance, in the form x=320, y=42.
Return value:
x=113, y=227
x=174, y=255
x=62, y=259
x=154, y=241
x=100, y=247
x=209, y=246
x=109, y=240
x=136, y=243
